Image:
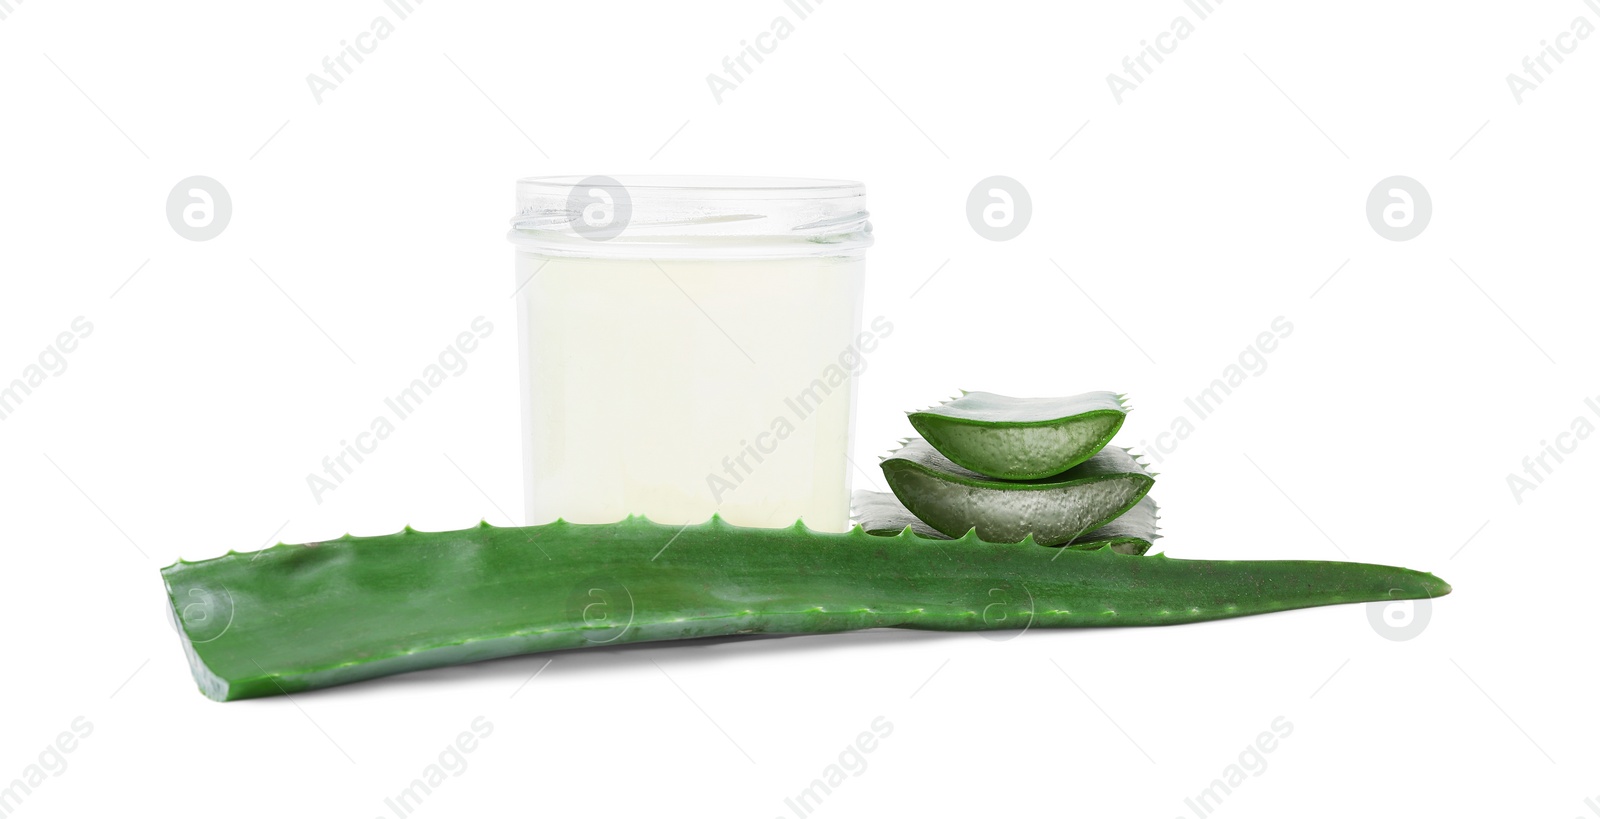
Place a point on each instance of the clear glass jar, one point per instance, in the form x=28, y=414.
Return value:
x=690, y=345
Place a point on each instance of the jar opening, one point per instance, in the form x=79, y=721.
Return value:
x=689, y=216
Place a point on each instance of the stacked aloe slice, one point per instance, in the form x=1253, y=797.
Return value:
x=1015, y=468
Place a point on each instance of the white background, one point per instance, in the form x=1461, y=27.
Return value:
x=1225, y=191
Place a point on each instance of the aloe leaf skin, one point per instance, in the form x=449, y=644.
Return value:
x=1021, y=438
x=1132, y=533
x=1054, y=510
x=292, y=618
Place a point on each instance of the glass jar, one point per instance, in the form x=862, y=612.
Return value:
x=689, y=346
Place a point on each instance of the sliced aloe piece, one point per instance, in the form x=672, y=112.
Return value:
x=1055, y=510
x=1021, y=438
x=881, y=513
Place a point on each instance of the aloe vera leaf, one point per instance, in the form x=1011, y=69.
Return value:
x=1053, y=510
x=292, y=618
x=1021, y=438
x=1132, y=533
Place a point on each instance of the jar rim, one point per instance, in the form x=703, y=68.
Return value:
x=699, y=187
x=650, y=215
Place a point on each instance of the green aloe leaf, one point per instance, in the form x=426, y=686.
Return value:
x=881, y=513
x=1054, y=510
x=292, y=618
x=1021, y=438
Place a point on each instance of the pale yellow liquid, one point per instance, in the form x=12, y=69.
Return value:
x=641, y=381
